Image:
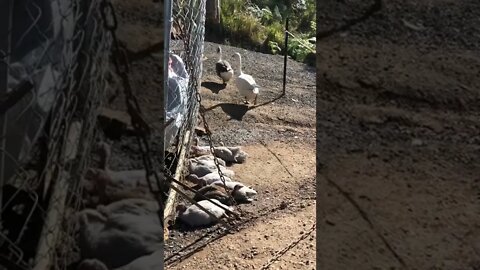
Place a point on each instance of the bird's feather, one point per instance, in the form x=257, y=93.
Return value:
x=222, y=66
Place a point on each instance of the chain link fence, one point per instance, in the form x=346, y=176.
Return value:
x=186, y=50
x=53, y=77
x=185, y=71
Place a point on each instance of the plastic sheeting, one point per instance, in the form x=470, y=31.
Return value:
x=176, y=103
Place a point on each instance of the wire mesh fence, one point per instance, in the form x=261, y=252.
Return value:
x=185, y=71
x=53, y=77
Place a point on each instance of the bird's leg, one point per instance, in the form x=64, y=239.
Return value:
x=255, y=100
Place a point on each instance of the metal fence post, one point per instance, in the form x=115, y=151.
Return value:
x=285, y=58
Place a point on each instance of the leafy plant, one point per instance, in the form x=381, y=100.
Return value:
x=313, y=26
x=299, y=48
x=259, y=24
x=274, y=48
x=265, y=15
x=276, y=14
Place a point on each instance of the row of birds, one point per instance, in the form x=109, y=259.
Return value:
x=213, y=193
x=121, y=229
x=245, y=83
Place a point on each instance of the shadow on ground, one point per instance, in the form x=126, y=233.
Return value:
x=213, y=86
x=238, y=111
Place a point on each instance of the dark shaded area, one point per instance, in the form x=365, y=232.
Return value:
x=213, y=86
x=23, y=225
x=238, y=111
x=235, y=111
x=178, y=225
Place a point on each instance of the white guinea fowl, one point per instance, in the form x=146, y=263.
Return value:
x=223, y=68
x=204, y=167
x=195, y=217
x=243, y=194
x=104, y=186
x=118, y=238
x=225, y=153
x=207, y=179
x=246, y=85
x=210, y=158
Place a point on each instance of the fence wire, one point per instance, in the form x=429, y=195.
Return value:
x=185, y=71
x=188, y=30
x=53, y=77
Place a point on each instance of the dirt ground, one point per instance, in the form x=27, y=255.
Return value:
x=397, y=138
x=139, y=30
x=398, y=135
x=279, y=137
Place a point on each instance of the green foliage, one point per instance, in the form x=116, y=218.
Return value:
x=275, y=36
x=313, y=26
x=260, y=24
x=299, y=48
x=265, y=15
x=277, y=15
x=242, y=25
x=274, y=47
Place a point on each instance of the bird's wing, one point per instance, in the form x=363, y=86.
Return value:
x=250, y=80
x=219, y=67
x=223, y=66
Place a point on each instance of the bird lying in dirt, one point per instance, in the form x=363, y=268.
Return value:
x=147, y=262
x=220, y=193
x=193, y=216
x=206, y=179
x=121, y=232
x=242, y=194
x=203, y=167
x=233, y=154
x=104, y=186
x=209, y=158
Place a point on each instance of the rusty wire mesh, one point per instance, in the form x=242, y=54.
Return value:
x=54, y=71
x=188, y=28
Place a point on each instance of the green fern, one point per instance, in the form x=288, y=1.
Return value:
x=260, y=24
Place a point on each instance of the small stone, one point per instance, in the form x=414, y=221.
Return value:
x=417, y=142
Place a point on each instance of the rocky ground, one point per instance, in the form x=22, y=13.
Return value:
x=279, y=136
